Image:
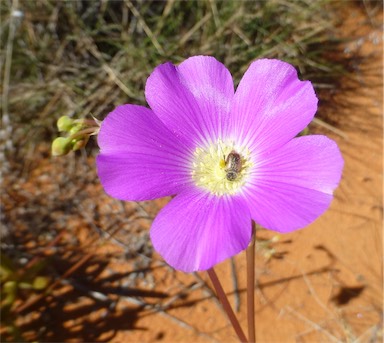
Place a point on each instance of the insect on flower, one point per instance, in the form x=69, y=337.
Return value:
x=228, y=157
x=233, y=165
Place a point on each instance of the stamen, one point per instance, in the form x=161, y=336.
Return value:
x=221, y=168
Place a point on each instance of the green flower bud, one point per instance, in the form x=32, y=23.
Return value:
x=61, y=146
x=76, y=128
x=64, y=123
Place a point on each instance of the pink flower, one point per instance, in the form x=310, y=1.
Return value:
x=229, y=157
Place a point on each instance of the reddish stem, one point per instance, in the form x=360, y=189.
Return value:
x=251, y=286
x=227, y=307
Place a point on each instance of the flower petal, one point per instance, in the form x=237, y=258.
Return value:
x=271, y=105
x=192, y=99
x=140, y=158
x=195, y=231
x=294, y=185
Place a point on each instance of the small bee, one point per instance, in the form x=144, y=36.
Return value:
x=233, y=165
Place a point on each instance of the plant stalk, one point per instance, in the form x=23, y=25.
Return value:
x=227, y=307
x=250, y=253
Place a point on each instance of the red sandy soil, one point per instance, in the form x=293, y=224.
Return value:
x=320, y=284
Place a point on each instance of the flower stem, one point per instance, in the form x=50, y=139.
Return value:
x=88, y=131
x=227, y=307
x=251, y=286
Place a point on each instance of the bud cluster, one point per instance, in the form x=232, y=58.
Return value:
x=76, y=134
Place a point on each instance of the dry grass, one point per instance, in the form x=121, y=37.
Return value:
x=80, y=58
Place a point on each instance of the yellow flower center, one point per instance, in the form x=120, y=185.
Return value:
x=221, y=168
